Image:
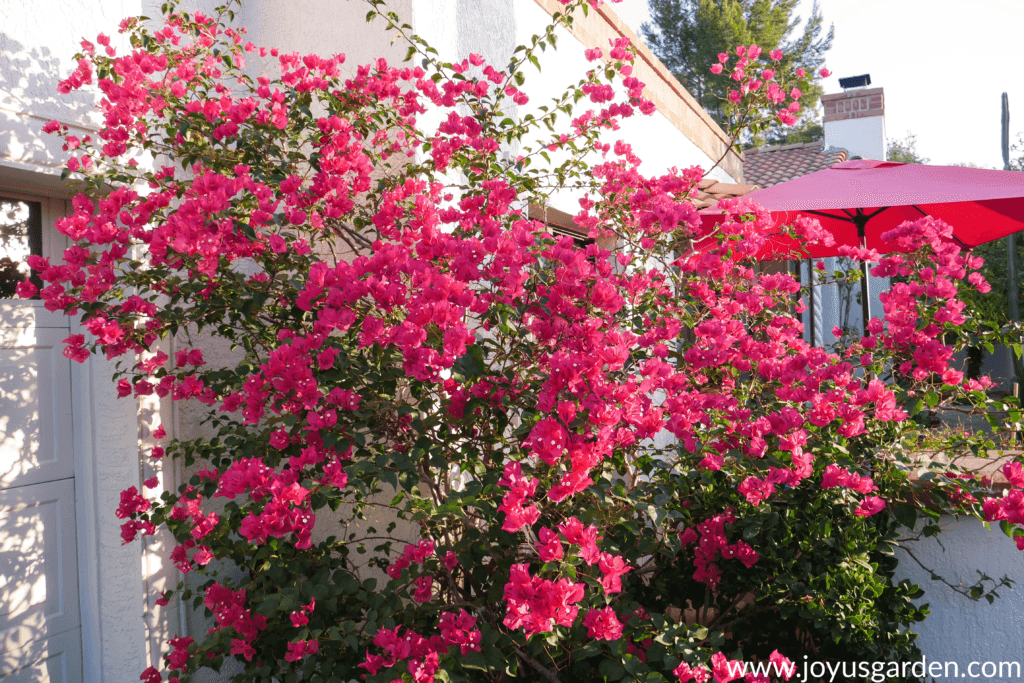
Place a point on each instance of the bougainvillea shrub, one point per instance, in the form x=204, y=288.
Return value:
x=618, y=461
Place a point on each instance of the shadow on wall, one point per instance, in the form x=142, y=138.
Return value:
x=39, y=625
x=23, y=539
x=19, y=417
x=960, y=630
x=38, y=561
x=29, y=99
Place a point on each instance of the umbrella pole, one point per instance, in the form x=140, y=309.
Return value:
x=810, y=296
x=865, y=309
x=1011, y=273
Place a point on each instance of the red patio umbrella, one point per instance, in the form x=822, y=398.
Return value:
x=859, y=200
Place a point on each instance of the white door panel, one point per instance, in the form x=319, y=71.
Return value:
x=35, y=406
x=21, y=313
x=56, y=660
x=38, y=563
x=40, y=621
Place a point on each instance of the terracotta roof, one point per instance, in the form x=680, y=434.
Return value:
x=767, y=166
x=559, y=220
x=709, y=191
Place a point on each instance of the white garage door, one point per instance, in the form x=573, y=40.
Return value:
x=40, y=627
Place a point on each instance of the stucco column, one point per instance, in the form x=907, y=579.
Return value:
x=111, y=588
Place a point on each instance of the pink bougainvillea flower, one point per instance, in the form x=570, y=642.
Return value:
x=683, y=672
x=550, y=547
x=724, y=669
x=871, y=505
x=787, y=118
x=782, y=664
x=613, y=568
x=1014, y=473
x=603, y=624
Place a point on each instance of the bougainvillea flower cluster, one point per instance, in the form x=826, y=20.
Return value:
x=455, y=442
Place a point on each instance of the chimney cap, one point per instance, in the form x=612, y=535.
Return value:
x=855, y=81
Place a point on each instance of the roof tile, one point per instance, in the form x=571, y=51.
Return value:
x=709, y=193
x=767, y=166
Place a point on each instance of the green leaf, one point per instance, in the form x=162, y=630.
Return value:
x=269, y=604
x=475, y=661
x=917, y=407
x=612, y=671
x=906, y=515
x=634, y=666
x=591, y=649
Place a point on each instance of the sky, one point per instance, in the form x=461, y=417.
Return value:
x=944, y=65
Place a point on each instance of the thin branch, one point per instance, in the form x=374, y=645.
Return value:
x=542, y=670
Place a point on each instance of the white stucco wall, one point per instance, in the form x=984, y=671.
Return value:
x=493, y=28
x=960, y=630
x=37, y=43
x=323, y=27
x=860, y=137
x=655, y=140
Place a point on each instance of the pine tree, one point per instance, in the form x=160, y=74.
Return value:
x=687, y=36
x=905, y=151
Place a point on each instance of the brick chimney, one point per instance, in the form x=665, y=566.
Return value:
x=855, y=121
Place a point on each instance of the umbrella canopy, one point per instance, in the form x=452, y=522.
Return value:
x=859, y=200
